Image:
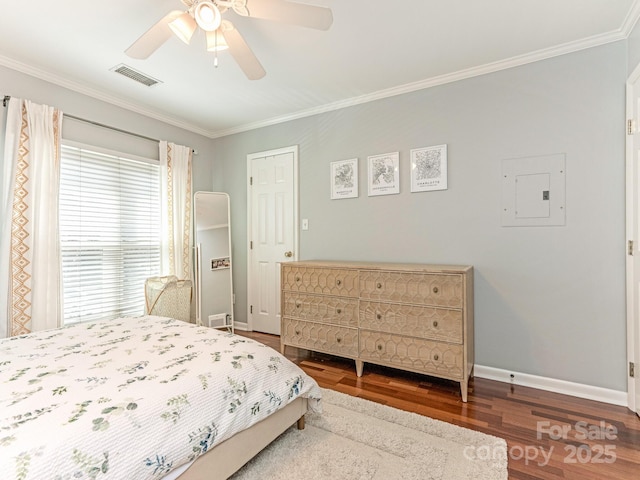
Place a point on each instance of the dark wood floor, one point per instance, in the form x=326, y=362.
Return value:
x=549, y=436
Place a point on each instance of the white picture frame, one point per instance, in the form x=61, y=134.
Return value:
x=384, y=174
x=344, y=179
x=429, y=168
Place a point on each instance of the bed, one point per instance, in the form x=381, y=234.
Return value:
x=142, y=398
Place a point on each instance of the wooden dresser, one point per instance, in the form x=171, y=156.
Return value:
x=412, y=317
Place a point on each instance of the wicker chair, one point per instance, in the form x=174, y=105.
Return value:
x=168, y=297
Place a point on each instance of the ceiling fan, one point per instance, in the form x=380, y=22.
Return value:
x=220, y=32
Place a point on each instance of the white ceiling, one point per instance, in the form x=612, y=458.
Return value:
x=374, y=49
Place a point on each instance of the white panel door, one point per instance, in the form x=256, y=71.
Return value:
x=272, y=231
x=633, y=238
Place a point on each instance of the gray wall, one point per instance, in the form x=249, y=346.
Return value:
x=633, y=42
x=20, y=85
x=550, y=301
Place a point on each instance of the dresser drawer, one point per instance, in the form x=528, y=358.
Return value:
x=321, y=309
x=421, y=288
x=418, y=355
x=320, y=337
x=412, y=320
x=320, y=280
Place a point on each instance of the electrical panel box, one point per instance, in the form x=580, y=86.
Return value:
x=533, y=191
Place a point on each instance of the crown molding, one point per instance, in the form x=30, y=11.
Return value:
x=97, y=94
x=621, y=34
x=632, y=18
x=516, y=61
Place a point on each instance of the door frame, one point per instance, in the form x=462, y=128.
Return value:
x=296, y=200
x=633, y=323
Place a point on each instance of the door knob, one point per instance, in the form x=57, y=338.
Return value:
x=288, y=254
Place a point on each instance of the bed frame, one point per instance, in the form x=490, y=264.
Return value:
x=228, y=457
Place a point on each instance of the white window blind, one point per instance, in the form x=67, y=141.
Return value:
x=109, y=233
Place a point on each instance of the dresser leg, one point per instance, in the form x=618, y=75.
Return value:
x=282, y=347
x=359, y=367
x=464, y=386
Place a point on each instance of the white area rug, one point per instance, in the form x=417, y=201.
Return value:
x=355, y=439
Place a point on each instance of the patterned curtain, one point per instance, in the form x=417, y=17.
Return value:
x=29, y=244
x=175, y=162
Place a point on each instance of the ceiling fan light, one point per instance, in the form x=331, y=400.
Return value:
x=207, y=16
x=216, y=41
x=183, y=27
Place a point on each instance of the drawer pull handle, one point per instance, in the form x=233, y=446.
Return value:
x=297, y=305
x=378, y=285
x=435, y=323
x=435, y=289
x=380, y=347
x=339, y=311
x=297, y=332
x=338, y=340
x=339, y=282
x=436, y=357
x=297, y=279
x=379, y=316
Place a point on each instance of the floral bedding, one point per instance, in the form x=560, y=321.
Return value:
x=132, y=398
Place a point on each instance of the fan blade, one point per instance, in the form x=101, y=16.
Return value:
x=241, y=52
x=153, y=38
x=304, y=15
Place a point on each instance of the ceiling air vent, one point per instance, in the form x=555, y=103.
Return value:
x=139, y=77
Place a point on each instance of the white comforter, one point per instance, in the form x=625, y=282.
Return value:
x=132, y=398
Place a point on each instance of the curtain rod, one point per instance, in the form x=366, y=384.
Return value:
x=6, y=99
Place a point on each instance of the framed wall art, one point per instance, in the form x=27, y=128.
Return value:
x=429, y=168
x=384, y=174
x=344, y=179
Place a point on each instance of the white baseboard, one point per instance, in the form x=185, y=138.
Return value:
x=589, y=392
x=599, y=394
x=244, y=326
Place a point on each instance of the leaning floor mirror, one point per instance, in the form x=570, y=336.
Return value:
x=214, y=281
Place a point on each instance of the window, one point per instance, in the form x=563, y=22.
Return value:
x=109, y=232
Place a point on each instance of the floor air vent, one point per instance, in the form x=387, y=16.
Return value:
x=135, y=75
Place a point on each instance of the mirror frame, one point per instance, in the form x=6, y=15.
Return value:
x=229, y=322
